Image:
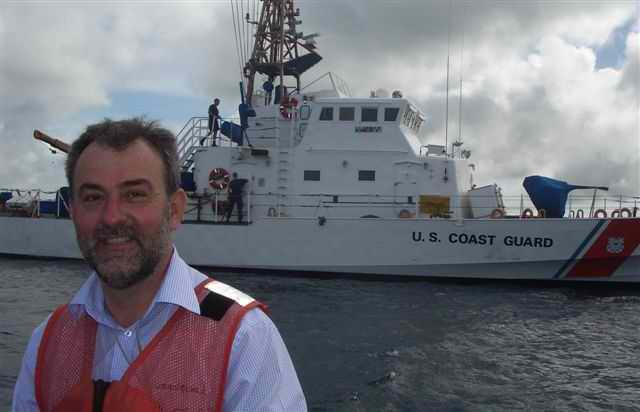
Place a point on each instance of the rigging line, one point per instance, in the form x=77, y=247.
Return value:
x=247, y=39
x=446, y=114
x=236, y=25
x=238, y=39
x=254, y=27
x=256, y=18
x=243, y=25
x=460, y=91
x=246, y=28
x=241, y=30
x=247, y=18
x=235, y=33
x=240, y=33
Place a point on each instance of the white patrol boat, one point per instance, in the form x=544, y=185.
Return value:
x=338, y=184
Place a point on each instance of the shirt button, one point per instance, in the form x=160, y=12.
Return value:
x=128, y=333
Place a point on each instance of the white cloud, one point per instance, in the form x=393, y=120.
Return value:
x=534, y=103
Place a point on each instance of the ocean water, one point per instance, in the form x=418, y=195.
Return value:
x=384, y=345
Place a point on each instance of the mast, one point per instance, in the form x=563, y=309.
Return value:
x=279, y=51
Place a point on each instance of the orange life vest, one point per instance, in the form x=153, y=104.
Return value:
x=183, y=368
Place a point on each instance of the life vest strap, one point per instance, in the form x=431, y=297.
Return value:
x=215, y=306
x=99, y=392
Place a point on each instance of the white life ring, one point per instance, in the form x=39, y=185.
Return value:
x=219, y=178
x=287, y=107
x=405, y=214
x=527, y=213
x=600, y=213
x=497, y=214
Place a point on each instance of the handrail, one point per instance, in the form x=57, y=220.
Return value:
x=189, y=137
x=512, y=208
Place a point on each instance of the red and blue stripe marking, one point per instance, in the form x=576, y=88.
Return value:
x=598, y=259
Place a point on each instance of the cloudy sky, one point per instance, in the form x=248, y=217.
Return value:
x=549, y=87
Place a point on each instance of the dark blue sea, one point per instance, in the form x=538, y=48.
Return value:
x=384, y=345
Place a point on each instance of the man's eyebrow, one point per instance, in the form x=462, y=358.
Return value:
x=126, y=184
x=137, y=182
x=90, y=186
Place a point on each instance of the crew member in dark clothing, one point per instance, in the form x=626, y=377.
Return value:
x=214, y=119
x=235, y=196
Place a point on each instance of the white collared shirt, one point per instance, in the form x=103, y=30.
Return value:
x=261, y=376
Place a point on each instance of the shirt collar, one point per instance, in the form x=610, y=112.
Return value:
x=177, y=288
x=178, y=285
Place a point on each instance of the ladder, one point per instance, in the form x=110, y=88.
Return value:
x=188, y=140
x=285, y=162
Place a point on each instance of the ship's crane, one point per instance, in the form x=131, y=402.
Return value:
x=55, y=143
x=279, y=50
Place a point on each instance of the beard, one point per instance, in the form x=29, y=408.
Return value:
x=121, y=269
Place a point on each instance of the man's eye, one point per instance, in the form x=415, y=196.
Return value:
x=91, y=197
x=136, y=196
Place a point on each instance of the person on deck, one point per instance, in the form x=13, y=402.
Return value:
x=214, y=119
x=235, y=196
x=147, y=332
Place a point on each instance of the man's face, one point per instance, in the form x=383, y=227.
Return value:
x=122, y=213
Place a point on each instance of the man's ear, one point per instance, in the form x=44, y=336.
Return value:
x=178, y=204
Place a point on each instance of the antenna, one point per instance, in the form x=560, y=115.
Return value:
x=446, y=113
x=460, y=91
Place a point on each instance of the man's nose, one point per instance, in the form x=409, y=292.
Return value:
x=113, y=212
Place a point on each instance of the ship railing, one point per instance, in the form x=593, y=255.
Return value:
x=396, y=206
x=195, y=131
x=43, y=203
x=339, y=86
x=602, y=206
x=33, y=203
x=212, y=208
x=577, y=206
x=322, y=204
x=189, y=136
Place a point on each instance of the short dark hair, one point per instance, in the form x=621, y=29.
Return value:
x=118, y=135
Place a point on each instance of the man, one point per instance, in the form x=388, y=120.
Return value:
x=146, y=332
x=214, y=119
x=235, y=196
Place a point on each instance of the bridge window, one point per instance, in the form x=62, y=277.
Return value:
x=312, y=175
x=391, y=114
x=408, y=117
x=412, y=119
x=347, y=114
x=369, y=114
x=367, y=175
x=326, y=113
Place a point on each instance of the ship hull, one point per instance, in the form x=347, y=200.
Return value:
x=528, y=249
